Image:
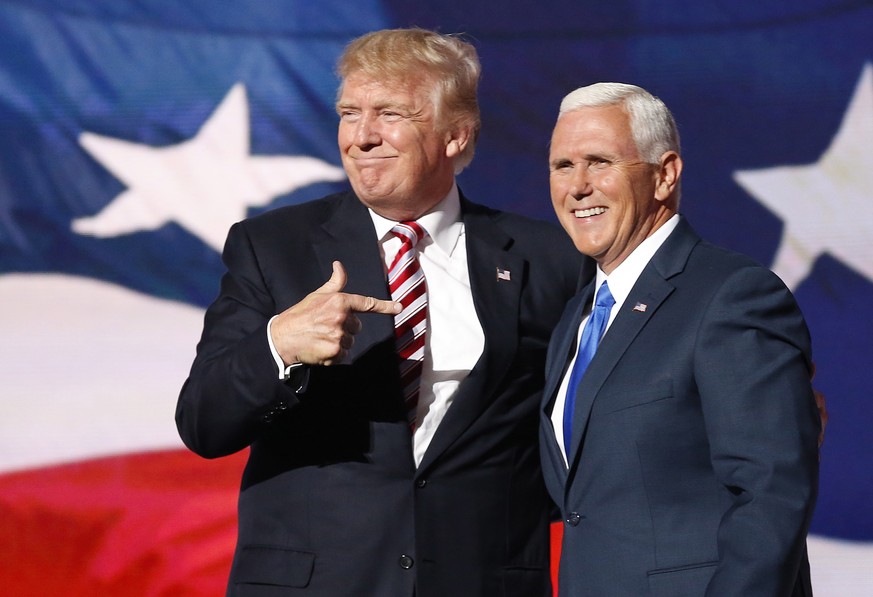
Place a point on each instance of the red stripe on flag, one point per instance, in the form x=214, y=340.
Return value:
x=556, y=535
x=156, y=524
x=161, y=524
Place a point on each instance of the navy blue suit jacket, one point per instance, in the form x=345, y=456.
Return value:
x=331, y=503
x=693, y=468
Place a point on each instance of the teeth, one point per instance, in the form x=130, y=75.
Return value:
x=586, y=213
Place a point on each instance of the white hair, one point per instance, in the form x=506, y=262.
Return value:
x=652, y=125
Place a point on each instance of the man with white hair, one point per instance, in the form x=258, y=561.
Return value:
x=679, y=426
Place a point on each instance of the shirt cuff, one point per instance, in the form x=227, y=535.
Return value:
x=283, y=370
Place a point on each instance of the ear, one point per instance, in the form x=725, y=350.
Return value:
x=669, y=172
x=457, y=140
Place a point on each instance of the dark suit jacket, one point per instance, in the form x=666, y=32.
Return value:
x=331, y=502
x=693, y=465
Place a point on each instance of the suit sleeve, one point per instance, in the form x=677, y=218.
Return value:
x=233, y=391
x=752, y=366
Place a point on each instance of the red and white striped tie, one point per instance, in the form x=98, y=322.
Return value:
x=407, y=286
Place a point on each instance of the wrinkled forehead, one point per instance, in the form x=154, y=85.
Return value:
x=410, y=85
x=417, y=94
x=604, y=131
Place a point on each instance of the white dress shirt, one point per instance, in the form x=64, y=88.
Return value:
x=621, y=281
x=454, y=337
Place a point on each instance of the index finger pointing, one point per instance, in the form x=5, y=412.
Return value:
x=368, y=304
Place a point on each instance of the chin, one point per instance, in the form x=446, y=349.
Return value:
x=585, y=247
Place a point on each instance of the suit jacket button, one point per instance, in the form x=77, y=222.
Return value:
x=421, y=483
x=573, y=519
x=405, y=562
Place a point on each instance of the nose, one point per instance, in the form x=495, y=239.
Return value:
x=366, y=134
x=580, y=183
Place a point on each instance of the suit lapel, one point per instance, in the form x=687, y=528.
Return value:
x=564, y=346
x=497, y=307
x=651, y=289
x=565, y=338
x=348, y=235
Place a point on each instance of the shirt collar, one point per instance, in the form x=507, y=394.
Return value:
x=442, y=223
x=622, y=279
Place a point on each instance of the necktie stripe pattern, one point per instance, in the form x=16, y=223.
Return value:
x=407, y=285
x=591, y=335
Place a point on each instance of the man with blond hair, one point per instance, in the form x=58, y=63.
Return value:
x=381, y=353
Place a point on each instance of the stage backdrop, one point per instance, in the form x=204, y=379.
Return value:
x=132, y=134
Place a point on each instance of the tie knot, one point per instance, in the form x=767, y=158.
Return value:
x=409, y=232
x=604, y=297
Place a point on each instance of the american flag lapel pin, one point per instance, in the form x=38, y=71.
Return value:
x=503, y=274
x=640, y=307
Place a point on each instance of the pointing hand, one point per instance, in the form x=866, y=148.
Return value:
x=320, y=329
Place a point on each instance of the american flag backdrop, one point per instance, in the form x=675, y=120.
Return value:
x=134, y=133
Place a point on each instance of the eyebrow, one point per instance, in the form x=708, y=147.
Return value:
x=379, y=105
x=588, y=157
x=558, y=161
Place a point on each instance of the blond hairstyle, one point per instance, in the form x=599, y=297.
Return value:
x=451, y=63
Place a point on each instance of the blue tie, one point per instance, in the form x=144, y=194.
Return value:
x=594, y=328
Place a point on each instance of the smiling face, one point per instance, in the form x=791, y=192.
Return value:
x=399, y=160
x=606, y=198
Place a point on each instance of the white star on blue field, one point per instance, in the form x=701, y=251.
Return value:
x=826, y=207
x=204, y=184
